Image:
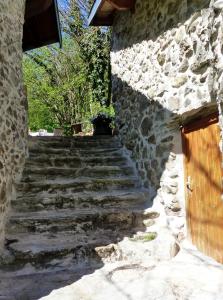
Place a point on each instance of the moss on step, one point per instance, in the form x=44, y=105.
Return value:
x=147, y=237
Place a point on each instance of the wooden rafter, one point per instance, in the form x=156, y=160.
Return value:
x=102, y=11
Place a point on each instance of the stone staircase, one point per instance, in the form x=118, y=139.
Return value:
x=76, y=194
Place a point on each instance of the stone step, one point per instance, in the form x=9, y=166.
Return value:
x=26, y=281
x=86, y=139
x=75, y=146
x=77, y=185
x=75, y=161
x=83, y=199
x=76, y=195
x=45, y=248
x=51, y=173
x=104, y=152
x=77, y=221
x=73, y=143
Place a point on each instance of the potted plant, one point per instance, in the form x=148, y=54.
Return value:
x=102, y=124
x=77, y=128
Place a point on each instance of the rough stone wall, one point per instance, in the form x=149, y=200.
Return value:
x=13, y=133
x=167, y=65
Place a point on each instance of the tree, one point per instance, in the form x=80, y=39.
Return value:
x=94, y=47
x=65, y=85
x=58, y=79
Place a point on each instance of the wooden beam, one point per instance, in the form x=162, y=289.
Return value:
x=122, y=4
x=108, y=7
x=36, y=7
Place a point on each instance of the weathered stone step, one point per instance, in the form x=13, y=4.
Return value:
x=34, y=283
x=64, y=139
x=83, y=199
x=104, y=152
x=78, y=220
x=76, y=194
x=75, y=161
x=78, y=185
x=51, y=173
x=46, y=247
x=74, y=143
x=76, y=139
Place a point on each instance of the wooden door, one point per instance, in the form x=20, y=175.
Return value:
x=203, y=185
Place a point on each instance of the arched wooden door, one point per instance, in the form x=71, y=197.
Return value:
x=203, y=185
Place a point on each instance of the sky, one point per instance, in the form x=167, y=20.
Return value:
x=62, y=3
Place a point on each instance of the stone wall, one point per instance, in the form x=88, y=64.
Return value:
x=167, y=66
x=13, y=126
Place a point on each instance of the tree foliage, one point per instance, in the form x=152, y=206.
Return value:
x=94, y=48
x=69, y=85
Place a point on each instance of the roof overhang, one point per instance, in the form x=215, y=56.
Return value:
x=102, y=11
x=42, y=26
